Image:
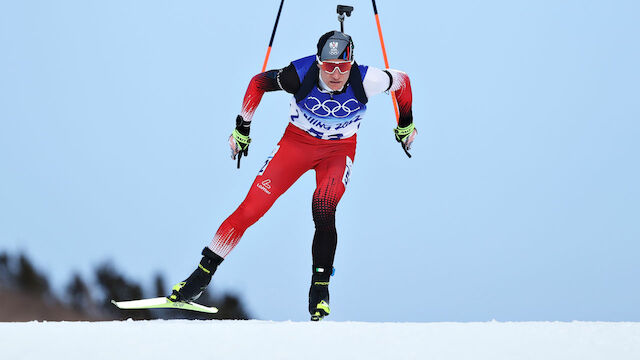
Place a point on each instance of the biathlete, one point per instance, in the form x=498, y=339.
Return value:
x=330, y=92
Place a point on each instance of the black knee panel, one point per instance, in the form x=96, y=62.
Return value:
x=324, y=213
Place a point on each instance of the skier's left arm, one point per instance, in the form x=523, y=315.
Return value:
x=377, y=81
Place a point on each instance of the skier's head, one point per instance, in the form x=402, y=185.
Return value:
x=335, y=57
x=335, y=45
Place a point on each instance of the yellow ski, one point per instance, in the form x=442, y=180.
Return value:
x=163, y=303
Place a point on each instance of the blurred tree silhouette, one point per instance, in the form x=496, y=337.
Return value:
x=231, y=308
x=158, y=284
x=78, y=294
x=116, y=287
x=19, y=276
x=6, y=276
x=29, y=280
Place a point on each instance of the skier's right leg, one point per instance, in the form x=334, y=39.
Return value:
x=283, y=167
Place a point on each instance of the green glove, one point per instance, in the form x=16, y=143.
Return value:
x=405, y=135
x=239, y=140
x=242, y=143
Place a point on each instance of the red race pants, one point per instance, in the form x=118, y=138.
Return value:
x=296, y=153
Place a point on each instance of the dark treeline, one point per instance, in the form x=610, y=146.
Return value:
x=25, y=294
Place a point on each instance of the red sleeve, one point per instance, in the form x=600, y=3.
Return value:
x=402, y=88
x=259, y=84
x=283, y=79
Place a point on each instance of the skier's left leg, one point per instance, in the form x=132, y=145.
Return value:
x=332, y=176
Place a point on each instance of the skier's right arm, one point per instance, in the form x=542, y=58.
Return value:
x=272, y=80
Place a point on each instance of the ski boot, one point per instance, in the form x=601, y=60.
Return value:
x=191, y=288
x=319, y=293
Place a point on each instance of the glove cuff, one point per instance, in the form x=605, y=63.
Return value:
x=243, y=127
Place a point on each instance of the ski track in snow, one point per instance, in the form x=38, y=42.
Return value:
x=255, y=339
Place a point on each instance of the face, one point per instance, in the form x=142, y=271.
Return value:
x=335, y=73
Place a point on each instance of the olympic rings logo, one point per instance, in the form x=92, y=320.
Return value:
x=330, y=107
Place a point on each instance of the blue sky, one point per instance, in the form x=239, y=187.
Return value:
x=521, y=201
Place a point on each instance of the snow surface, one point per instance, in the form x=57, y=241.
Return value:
x=327, y=340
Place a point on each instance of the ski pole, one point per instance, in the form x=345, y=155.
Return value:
x=266, y=59
x=386, y=64
x=384, y=55
x=273, y=34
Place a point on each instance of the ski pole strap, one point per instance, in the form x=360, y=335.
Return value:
x=242, y=140
x=403, y=132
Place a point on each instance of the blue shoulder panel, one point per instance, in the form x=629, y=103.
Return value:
x=363, y=70
x=303, y=65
